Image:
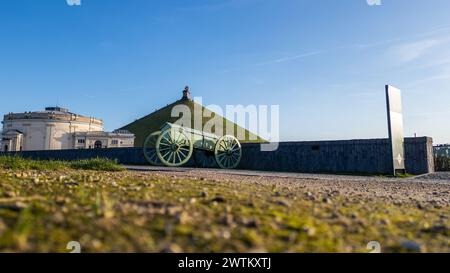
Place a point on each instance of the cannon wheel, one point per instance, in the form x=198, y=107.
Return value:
x=150, y=149
x=228, y=152
x=174, y=148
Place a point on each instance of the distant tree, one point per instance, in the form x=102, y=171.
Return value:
x=442, y=163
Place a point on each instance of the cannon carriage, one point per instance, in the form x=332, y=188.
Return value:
x=175, y=145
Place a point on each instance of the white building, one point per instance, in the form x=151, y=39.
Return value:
x=102, y=140
x=57, y=129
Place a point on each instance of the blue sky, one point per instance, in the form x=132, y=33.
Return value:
x=324, y=62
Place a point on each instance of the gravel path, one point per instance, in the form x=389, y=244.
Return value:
x=440, y=176
x=429, y=190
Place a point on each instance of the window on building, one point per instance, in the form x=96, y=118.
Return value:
x=114, y=142
x=81, y=141
x=98, y=144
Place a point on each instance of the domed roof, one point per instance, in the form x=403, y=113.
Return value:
x=53, y=113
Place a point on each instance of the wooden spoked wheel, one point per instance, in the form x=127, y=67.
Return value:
x=150, y=149
x=174, y=148
x=228, y=152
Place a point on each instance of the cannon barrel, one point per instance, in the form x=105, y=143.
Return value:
x=174, y=145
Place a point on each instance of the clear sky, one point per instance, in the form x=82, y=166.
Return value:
x=325, y=62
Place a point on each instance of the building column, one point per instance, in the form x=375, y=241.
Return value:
x=48, y=137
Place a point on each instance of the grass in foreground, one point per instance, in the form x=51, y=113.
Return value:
x=19, y=163
x=41, y=211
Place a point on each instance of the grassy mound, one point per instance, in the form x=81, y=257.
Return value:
x=20, y=163
x=97, y=164
x=153, y=122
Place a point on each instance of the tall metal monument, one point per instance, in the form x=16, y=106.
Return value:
x=395, y=124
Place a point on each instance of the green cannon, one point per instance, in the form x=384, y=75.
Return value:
x=174, y=145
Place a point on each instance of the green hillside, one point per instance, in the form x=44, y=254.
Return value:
x=153, y=122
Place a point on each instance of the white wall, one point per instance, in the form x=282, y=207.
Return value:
x=48, y=134
x=106, y=139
